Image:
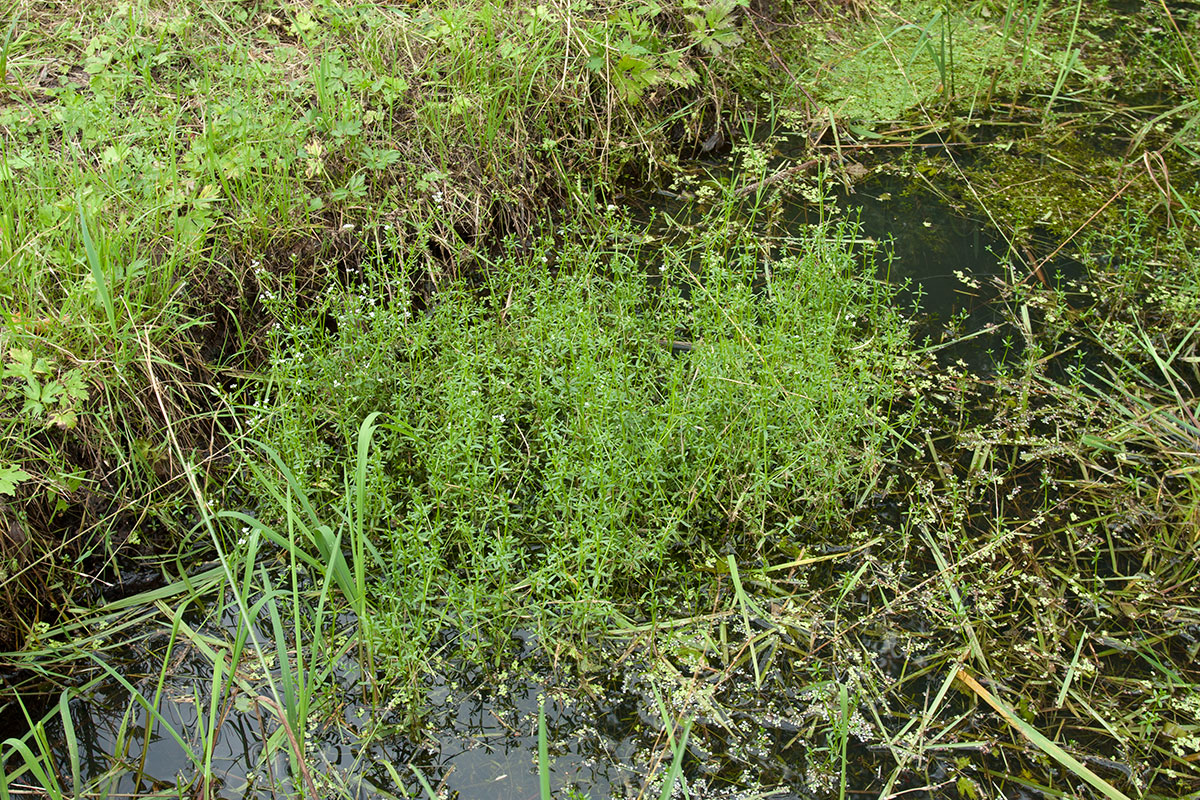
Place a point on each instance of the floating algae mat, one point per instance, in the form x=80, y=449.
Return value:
x=953, y=272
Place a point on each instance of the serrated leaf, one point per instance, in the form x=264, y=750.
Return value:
x=33, y=407
x=10, y=477
x=65, y=419
x=20, y=364
x=74, y=386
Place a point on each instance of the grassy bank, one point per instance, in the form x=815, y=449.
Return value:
x=165, y=167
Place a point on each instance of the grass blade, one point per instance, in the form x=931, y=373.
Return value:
x=72, y=742
x=429, y=792
x=843, y=735
x=543, y=752
x=1045, y=745
x=98, y=277
x=673, y=774
x=33, y=765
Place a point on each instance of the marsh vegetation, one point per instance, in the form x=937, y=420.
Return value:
x=731, y=399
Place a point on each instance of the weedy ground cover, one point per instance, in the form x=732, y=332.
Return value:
x=154, y=158
x=550, y=436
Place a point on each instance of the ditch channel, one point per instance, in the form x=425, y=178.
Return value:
x=607, y=728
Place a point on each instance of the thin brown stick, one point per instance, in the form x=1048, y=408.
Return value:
x=1037, y=267
x=1165, y=190
x=308, y=781
x=778, y=176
